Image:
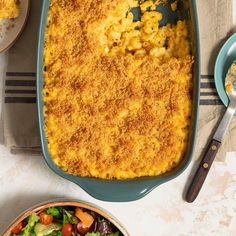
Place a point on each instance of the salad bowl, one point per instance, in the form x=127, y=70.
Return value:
x=35, y=223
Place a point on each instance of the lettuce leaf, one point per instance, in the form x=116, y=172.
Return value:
x=43, y=230
x=93, y=234
x=114, y=234
x=68, y=217
x=53, y=211
x=55, y=233
x=28, y=230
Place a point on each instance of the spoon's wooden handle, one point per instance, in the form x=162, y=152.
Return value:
x=202, y=171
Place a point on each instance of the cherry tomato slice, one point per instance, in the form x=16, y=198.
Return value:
x=45, y=218
x=82, y=229
x=17, y=228
x=67, y=229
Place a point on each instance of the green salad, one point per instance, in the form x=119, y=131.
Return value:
x=65, y=221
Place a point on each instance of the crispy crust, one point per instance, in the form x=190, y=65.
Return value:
x=111, y=115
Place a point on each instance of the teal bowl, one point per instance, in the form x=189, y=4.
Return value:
x=225, y=58
x=133, y=189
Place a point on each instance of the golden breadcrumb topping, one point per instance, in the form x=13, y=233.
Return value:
x=9, y=9
x=117, y=93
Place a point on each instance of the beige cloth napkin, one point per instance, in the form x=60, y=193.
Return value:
x=215, y=23
x=20, y=117
x=21, y=132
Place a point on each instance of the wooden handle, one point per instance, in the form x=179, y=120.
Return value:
x=202, y=171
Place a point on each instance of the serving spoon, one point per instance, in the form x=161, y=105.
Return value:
x=210, y=154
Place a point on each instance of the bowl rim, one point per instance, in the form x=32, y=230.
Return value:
x=220, y=63
x=66, y=202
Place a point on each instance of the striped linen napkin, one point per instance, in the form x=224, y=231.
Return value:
x=20, y=116
x=20, y=122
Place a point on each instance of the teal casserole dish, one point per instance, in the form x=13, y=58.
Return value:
x=133, y=189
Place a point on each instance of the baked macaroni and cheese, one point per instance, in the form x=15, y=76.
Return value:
x=9, y=9
x=117, y=92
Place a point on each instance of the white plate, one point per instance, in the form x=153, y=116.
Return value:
x=10, y=29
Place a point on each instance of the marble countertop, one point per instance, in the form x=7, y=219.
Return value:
x=26, y=180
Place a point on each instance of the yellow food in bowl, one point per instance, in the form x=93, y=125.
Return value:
x=117, y=93
x=9, y=9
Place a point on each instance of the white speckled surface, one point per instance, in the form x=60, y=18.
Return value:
x=26, y=180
